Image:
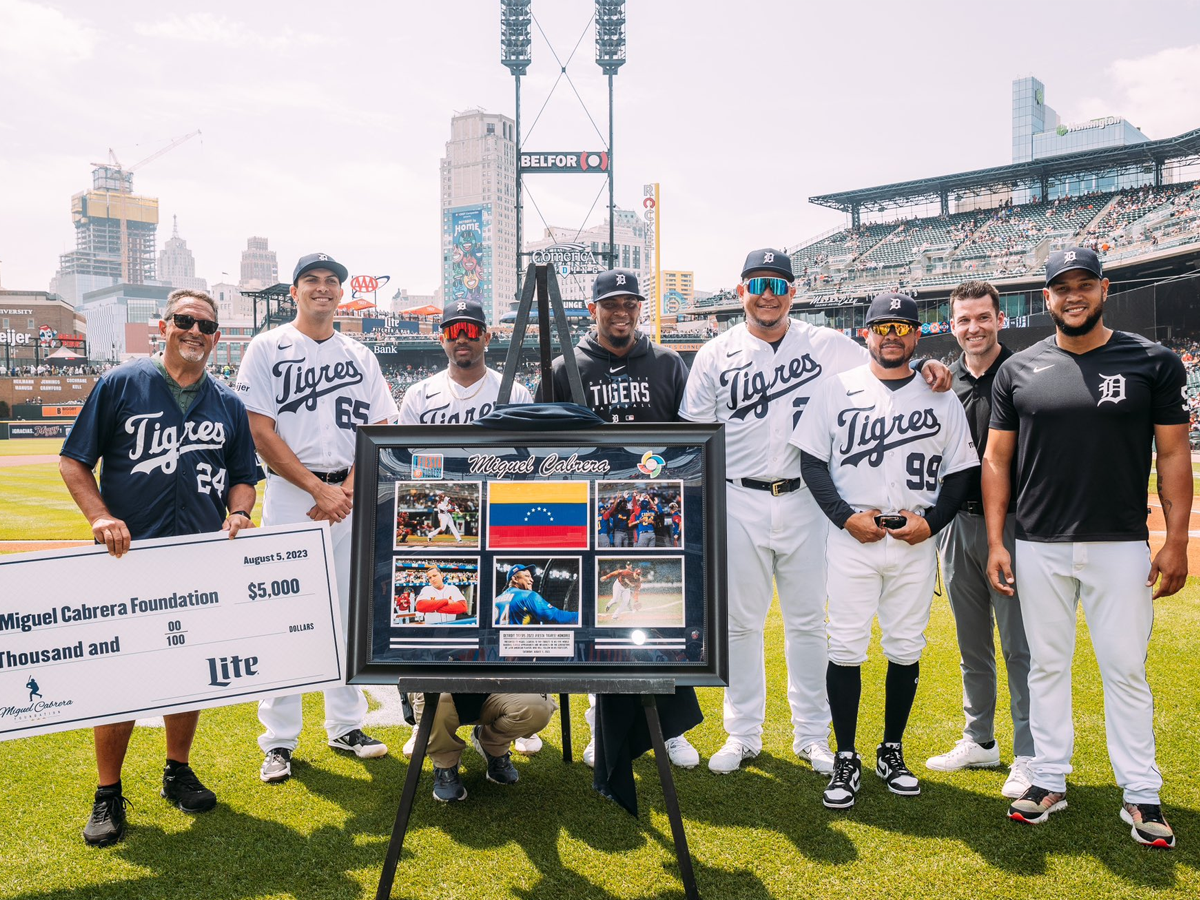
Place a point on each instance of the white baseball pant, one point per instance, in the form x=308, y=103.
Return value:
x=781, y=540
x=622, y=599
x=345, y=706
x=888, y=577
x=1109, y=579
x=446, y=520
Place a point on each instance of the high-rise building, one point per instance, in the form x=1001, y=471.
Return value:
x=679, y=290
x=115, y=233
x=260, y=269
x=176, y=265
x=479, y=227
x=231, y=303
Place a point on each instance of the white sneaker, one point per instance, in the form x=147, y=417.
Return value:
x=528, y=746
x=589, y=753
x=966, y=755
x=682, y=754
x=410, y=745
x=1020, y=778
x=820, y=756
x=729, y=758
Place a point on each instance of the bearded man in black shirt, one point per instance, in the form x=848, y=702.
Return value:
x=1079, y=411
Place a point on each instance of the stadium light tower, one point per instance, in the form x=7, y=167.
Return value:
x=610, y=56
x=515, y=18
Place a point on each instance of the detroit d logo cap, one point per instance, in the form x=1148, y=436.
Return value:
x=1073, y=258
x=893, y=307
x=616, y=283
x=319, y=261
x=769, y=260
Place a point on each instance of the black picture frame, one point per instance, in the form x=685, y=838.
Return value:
x=695, y=654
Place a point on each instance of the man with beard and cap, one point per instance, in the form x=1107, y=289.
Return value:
x=1079, y=411
x=756, y=379
x=629, y=378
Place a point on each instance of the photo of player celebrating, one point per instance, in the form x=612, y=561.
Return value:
x=435, y=592
x=639, y=515
x=645, y=593
x=538, y=591
x=437, y=513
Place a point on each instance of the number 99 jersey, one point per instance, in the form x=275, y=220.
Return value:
x=318, y=393
x=887, y=450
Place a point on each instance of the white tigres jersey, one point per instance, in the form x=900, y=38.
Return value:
x=445, y=506
x=317, y=393
x=887, y=450
x=760, y=393
x=439, y=401
x=449, y=593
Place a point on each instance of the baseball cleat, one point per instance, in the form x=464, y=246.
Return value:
x=1149, y=826
x=889, y=765
x=361, y=745
x=967, y=754
x=729, y=758
x=1035, y=805
x=1019, y=778
x=846, y=780
x=682, y=753
x=819, y=756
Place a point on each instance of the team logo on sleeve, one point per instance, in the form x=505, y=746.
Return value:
x=1112, y=389
x=870, y=437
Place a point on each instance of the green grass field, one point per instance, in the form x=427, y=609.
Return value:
x=759, y=833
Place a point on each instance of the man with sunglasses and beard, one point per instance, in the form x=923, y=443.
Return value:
x=889, y=462
x=466, y=390
x=144, y=493
x=1079, y=411
x=757, y=379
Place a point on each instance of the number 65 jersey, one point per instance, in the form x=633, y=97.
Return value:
x=318, y=392
x=887, y=450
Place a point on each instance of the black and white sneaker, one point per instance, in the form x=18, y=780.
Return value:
x=361, y=745
x=186, y=792
x=846, y=780
x=1149, y=826
x=499, y=768
x=447, y=785
x=889, y=765
x=106, y=825
x=276, y=766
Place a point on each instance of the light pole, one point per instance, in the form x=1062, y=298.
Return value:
x=610, y=56
x=515, y=19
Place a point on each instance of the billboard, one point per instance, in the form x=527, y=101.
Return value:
x=570, y=161
x=468, y=275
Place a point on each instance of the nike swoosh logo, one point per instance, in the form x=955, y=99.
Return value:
x=732, y=353
x=616, y=370
x=852, y=393
x=1037, y=369
x=432, y=394
x=284, y=346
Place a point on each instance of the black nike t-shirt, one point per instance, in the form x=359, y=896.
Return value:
x=1085, y=424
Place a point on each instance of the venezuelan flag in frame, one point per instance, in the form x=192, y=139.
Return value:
x=538, y=515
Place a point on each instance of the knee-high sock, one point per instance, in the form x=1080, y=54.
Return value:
x=844, y=685
x=901, y=689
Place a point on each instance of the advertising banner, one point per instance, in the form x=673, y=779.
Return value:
x=469, y=259
x=174, y=625
x=572, y=555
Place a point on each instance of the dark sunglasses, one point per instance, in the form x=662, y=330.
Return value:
x=903, y=329
x=469, y=330
x=757, y=286
x=185, y=322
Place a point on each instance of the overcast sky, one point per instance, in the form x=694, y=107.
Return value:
x=323, y=124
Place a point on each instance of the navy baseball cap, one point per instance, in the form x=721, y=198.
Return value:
x=515, y=569
x=1073, y=258
x=319, y=261
x=769, y=260
x=616, y=283
x=463, y=311
x=893, y=307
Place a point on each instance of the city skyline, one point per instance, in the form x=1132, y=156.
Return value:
x=335, y=144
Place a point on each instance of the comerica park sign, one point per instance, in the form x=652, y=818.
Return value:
x=568, y=258
x=570, y=161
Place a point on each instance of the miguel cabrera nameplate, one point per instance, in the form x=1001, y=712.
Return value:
x=174, y=625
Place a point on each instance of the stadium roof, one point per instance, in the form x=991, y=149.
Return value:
x=1184, y=147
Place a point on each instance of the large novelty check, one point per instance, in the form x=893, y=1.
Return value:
x=176, y=624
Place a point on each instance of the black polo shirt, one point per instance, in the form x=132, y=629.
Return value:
x=975, y=394
x=1084, y=426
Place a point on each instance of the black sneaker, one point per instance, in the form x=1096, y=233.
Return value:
x=1149, y=826
x=499, y=768
x=361, y=745
x=1035, y=805
x=185, y=791
x=889, y=765
x=846, y=780
x=106, y=825
x=447, y=785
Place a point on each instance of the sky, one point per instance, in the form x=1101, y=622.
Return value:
x=322, y=126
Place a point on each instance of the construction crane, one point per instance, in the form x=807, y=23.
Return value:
x=119, y=179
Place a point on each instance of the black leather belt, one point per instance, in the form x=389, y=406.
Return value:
x=974, y=507
x=328, y=477
x=782, y=486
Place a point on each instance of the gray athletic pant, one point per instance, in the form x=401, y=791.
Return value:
x=963, y=548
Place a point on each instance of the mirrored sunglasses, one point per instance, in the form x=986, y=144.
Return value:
x=470, y=330
x=903, y=329
x=185, y=322
x=756, y=286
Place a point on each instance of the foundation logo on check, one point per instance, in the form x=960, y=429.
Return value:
x=427, y=465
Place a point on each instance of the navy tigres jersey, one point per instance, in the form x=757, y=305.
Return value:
x=165, y=474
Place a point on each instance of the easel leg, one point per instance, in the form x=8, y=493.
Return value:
x=564, y=710
x=672, y=801
x=406, y=798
